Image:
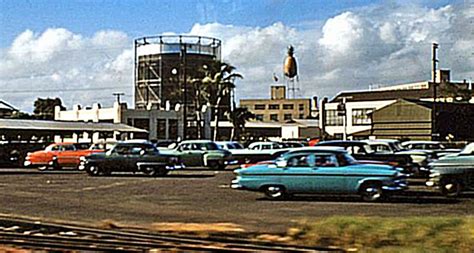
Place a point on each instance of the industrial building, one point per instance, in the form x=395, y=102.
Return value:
x=350, y=113
x=279, y=108
x=165, y=67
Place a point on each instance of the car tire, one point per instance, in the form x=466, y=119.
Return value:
x=275, y=192
x=42, y=168
x=150, y=171
x=450, y=188
x=93, y=170
x=161, y=171
x=371, y=192
x=213, y=165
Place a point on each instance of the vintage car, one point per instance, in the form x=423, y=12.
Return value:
x=201, y=153
x=361, y=150
x=59, y=155
x=453, y=174
x=130, y=156
x=420, y=158
x=320, y=170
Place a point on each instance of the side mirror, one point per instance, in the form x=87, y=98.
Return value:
x=281, y=163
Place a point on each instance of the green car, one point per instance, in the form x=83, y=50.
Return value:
x=201, y=153
x=453, y=173
x=130, y=156
x=320, y=171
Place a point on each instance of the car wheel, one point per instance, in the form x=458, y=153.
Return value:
x=42, y=168
x=213, y=165
x=161, y=171
x=371, y=192
x=93, y=170
x=275, y=192
x=150, y=171
x=450, y=188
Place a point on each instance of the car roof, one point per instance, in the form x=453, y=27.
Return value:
x=197, y=141
x=326, y=143
x=420, y=142
x=332, y=149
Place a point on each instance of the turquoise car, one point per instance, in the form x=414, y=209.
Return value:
x=320, y=171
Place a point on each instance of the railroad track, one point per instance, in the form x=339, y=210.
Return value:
x=35, y=234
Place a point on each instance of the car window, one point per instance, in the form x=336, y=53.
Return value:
x=69, y=148
x=266, y=146
x=55, y=148
x=121, y=150
x=302, y=160
x=256, y=147
x=379, y=148
x=326, y=161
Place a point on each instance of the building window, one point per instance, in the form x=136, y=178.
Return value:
x=287, y=116
x=173, y=129
x=259, y=117
x=332, y=119
x=142, y=123
x=301, y=107
x=274, y=117
x=259, y=107
x=361, y=116
x=161, y=129
x=274, y=107
x=288, y=107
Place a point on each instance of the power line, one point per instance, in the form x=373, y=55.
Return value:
x=62, y=90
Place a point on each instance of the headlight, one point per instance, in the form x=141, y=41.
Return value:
x=82, y=158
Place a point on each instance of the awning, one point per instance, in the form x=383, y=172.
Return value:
x=69, y=126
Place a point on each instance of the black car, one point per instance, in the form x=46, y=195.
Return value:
x=361, y=150
x=130, y=157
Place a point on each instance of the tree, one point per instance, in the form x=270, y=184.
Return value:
x=219, y=82
x=238, y=117
x=44, y=108
x=200, y=99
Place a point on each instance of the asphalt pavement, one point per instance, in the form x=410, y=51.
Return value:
x=194, y=196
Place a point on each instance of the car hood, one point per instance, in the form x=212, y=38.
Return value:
x=454, y=162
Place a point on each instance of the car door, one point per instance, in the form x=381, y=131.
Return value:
x=191, y=155
x=329, y=176
x=298, y=176
x=117, y=159
x=67, y=155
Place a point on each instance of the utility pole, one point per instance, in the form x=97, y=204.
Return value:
x=434, y=122
x=184, y=89
x=118, y=95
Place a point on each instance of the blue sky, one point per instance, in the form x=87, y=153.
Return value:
x=82, y=50
x=141, y=18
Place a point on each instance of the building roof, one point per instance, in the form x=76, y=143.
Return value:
x=5, y=106
x=52, y=125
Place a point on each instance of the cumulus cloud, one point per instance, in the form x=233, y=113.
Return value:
x=60, y=63
x=379, y=44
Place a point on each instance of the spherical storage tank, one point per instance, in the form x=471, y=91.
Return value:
x=164, y=64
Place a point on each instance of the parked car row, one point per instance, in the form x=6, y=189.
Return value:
x=372, y=168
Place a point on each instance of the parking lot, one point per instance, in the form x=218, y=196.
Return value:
x=194, y=196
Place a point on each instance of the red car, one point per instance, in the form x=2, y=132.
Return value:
x=59, y=155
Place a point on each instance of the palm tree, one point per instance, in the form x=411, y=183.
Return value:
x=238, y=117
x=220, y=82
x=201, y=99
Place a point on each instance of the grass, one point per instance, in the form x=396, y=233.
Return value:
x=377, y=234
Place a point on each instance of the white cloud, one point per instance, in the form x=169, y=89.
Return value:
x=374, y=45
x=58, y=62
